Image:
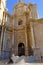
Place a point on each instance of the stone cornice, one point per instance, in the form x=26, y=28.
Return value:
x=35, y=20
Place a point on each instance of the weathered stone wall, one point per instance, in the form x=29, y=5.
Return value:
x=7, y=40
x=38, y=37
x=7, y=43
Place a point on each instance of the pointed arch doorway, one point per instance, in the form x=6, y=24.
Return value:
x=21, y=49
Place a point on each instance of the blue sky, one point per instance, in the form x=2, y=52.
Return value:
x=11, y=3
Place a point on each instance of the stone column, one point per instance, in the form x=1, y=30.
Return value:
x=32, y=35
x=2, y=37
x=12, y=36
x=3, y=43
x=26, y=44
x=26, y=50
x=12, y=42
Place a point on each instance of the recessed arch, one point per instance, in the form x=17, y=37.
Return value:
x=21, y=49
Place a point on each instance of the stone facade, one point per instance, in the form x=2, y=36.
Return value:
x=22, y=32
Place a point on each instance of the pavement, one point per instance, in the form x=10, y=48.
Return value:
x=1, y=63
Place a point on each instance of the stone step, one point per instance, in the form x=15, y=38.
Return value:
x=17, y=59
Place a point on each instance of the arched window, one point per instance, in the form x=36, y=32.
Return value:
x=20, y=22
